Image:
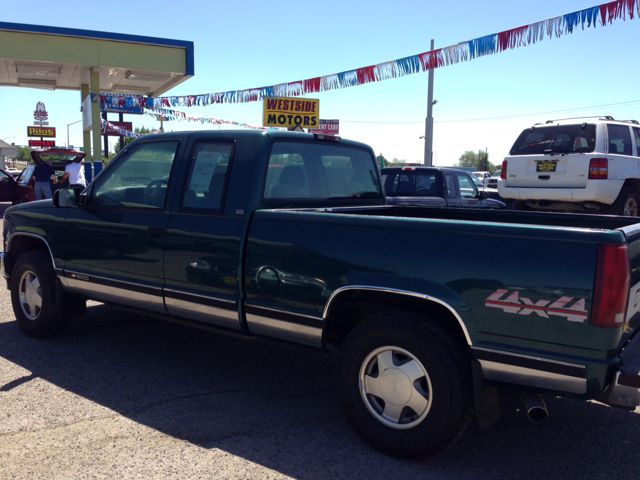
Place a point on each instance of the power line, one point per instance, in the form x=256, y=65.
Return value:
x=628, y=103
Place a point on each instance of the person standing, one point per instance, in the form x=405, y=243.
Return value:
x=74, y=171
x=43, y=175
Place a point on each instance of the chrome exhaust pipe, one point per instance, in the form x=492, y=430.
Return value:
x=536, y=409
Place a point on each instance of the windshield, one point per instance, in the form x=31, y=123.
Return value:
x=579, y=138
x=320, y=171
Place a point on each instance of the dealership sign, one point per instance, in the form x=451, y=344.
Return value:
x=109, y=130
x=41, y=132
x=327, y=127
x=291, y=112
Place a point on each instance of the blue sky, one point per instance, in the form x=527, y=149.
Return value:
x=482, y=104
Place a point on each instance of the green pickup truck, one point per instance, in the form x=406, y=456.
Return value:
x=287, y=235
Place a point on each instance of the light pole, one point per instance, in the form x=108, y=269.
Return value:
x=7, y=138
x=428, y=124
x=68, y=131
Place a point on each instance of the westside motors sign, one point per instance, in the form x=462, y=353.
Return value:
x=291, y=112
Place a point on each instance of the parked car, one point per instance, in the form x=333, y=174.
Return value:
x=7, y=187
x=492, y=181
x=61, y=158
x=14, y=172
x=436, y=186
x=587, y=165
x=482, y=175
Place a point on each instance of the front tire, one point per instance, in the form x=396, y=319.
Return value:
x=33, y=296
x=405, y=385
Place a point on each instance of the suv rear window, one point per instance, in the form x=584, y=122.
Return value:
x=579, y=138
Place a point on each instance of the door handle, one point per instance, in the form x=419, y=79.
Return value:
x=155, y=232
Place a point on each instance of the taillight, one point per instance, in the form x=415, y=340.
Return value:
x=598, y=169
x=611, y=290
x=503, y=170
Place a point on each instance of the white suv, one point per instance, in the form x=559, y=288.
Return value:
x=589, y=165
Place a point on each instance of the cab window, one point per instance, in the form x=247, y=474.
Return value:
x=139, y=178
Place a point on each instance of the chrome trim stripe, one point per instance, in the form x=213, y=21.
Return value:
x=211, y=313
x=221, y=303
x=401, y=292
x=531, y=371
x=108, y=282
x=276, y=314
x=526, y=361
x=112, y=294
x=284, y=330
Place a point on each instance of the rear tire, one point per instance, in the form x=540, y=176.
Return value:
x=627, y=204
x=33, y=296
x=405, y=385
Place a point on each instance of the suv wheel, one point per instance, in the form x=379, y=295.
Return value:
x=627, y=204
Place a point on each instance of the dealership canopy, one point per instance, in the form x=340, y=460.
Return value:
x=63, y=58
x=52, y=58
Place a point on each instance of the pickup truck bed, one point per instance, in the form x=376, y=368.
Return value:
x=427, y=325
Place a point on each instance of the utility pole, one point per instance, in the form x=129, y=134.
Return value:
x=428, y=127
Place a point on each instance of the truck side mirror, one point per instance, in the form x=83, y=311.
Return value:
x=482, y=195
x=65, y=198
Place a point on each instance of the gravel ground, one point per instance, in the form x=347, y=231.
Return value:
x=122, y=396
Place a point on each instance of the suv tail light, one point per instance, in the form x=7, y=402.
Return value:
x=503, y=170
x=598, y=169
x=611, y=290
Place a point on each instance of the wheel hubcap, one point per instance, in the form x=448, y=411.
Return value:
x=630, y=208
x=395, y=387
x=30, y=295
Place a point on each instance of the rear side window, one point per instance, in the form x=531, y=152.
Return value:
x=619, y=139
x=320, y=171
x=208, y=173
x=580, y=138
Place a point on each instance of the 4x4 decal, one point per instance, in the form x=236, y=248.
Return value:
x=514, y=303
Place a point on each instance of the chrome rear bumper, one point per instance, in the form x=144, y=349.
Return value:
x=624, y=391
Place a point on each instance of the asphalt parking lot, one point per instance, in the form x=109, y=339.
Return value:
x=123, y=396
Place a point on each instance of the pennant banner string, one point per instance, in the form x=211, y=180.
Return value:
x=441, y=57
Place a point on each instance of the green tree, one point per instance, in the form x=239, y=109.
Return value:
x=127, y=140
x=381, y=161
x=24, y=154
x=395, y=162
x=479, y=161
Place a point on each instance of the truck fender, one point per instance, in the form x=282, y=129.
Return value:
x=340, y=292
